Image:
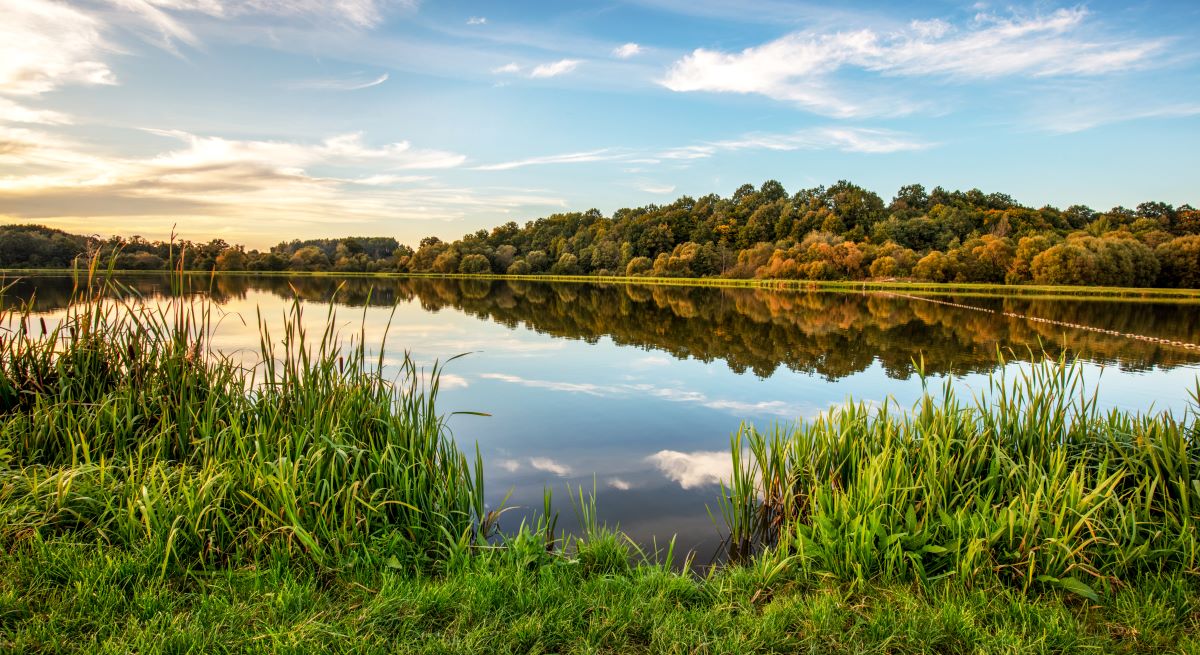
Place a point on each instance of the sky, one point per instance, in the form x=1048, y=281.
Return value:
x=258, y=121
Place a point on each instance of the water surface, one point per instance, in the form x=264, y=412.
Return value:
x=637, y=388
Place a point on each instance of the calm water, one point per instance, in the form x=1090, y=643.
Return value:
x=639, y=387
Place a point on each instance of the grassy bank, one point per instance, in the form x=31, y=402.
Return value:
x=64, y=597
x=1029, y=481
x=921, y=288
x=156, y=496
x=120, y=425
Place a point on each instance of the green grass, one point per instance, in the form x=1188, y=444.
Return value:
x=121, y=426
x=1028, y=482
x=63, y=597
x=157, y=496
x=966, y=289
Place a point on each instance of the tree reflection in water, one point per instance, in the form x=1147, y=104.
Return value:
x=831, y=334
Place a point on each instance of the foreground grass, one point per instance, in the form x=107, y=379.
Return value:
x=63, y=596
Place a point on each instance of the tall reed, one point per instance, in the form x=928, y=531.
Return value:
x=119, y=423
x=1030, y=482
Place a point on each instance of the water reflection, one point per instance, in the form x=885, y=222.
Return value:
x=751, y=330
x=695, y=469
x=636, y=388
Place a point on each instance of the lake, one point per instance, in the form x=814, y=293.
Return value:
x=637, y=388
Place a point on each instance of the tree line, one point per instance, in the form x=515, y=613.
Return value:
x=840, y=232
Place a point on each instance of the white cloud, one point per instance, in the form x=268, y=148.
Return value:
x=354, y=13
x=510, y=465
x=44, y=45
x=619, y=484
x=510, y=67
x=650, y=187
x=800, y=67
x=388, y=180
x=477, y=20
x=13, y=112
x=688, y=152
x=290, y=156
x=846, y=139
x=604, y=154
x=550, y=466
x=626, y=51
x=695, y=469
x=348, y=84
x=554, y=69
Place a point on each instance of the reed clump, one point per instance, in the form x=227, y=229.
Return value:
x=1029, y=482
x=119, y=424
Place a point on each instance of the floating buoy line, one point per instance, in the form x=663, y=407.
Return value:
x=1036, y=319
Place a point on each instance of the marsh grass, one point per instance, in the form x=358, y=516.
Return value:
x=120, y=425
x=1029, y=482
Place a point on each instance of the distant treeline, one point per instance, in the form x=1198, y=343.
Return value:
x=843, y=232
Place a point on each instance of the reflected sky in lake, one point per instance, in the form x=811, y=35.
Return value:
x=637, y=389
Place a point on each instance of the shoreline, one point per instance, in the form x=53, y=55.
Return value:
x=966, y=289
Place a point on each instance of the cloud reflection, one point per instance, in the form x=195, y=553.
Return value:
x=550, y=466
x=772, y=407
x=695, y=469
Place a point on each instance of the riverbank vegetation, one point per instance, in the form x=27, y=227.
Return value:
x=841, y=232
x=156, y=495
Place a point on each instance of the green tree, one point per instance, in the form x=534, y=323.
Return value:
x=309, y=258
x=233, y=259
x=474, y=264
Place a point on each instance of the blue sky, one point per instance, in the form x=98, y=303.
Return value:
x=261, y=120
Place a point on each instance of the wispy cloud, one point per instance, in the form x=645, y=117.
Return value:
x=354, y=13
x=347, y=84
x=603, y=154
x=13, y=112
x=626, y=51
x=242, y=187
x=572, y=387
x=477, y=20
x=846, y=139
x=619, y=484
x=801, y=66
x=290, y=156
x=1078, y=119
x=652, y=187
x=45, y=45
x=554, y=69
x=673, y=394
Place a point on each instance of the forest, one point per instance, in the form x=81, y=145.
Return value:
x=840, y=232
